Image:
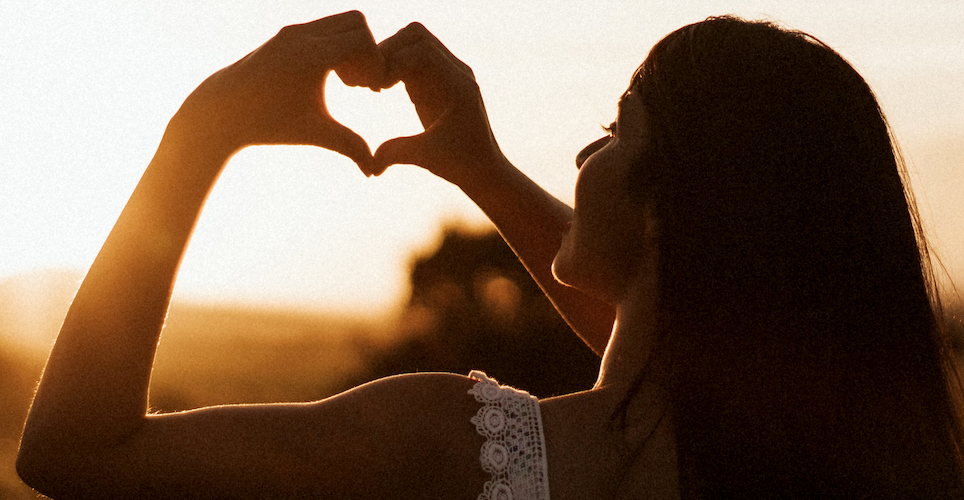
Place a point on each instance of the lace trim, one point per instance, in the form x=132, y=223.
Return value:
x=514, y=451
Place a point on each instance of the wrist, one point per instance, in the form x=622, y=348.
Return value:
x=199, y=135
x=479, y=174
x=207, y=123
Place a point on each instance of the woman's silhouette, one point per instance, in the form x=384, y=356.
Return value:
x=742, y=253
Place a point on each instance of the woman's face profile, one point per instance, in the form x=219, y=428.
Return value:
x=599, y=251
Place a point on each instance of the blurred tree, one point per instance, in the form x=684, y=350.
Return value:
x=474, y=306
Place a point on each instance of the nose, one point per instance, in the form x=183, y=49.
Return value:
x=588, y=151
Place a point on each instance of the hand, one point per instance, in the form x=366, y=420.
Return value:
x=457, y=143
x=275, y=95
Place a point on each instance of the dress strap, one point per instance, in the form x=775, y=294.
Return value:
x=514, y=452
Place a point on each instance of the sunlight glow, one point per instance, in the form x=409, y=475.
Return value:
x=377, y=117
x=33, y=305
x=89, y=87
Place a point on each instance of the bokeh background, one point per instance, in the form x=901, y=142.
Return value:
x=304, y=277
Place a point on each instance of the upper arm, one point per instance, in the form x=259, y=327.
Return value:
x=400, y=437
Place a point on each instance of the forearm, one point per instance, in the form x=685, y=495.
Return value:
x=94, y=389
x=532, y=222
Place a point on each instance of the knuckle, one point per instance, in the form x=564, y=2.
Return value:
x=287, y=32
x=416, y=26
x=417, y=30
x=354, y=17
x=470, y=87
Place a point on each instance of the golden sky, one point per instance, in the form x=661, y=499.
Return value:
x=86, y=89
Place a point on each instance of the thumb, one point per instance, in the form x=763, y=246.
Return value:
x=341, y=139
x=408, y=150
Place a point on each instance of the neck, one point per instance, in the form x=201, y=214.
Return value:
x=634, y=331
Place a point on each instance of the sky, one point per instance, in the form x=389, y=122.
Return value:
x=86, y=89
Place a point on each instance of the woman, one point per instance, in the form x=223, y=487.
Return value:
x=741, y=253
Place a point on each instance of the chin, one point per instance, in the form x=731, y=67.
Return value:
x=577, y=267
x=559, y=271
x=565, y=266
x=571, y=274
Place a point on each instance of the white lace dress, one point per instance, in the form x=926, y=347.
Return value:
x=514, y=452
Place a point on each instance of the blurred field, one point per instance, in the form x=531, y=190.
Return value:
x=220, y=355
x=472, y=306
x=212, y=355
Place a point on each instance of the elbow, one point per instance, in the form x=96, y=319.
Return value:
x=43, y=468
x=26, y=466
x=33, y=460
x=52, y=475
x=32, y=468
x=36, y=468
x=59, y=463
x=60, y=467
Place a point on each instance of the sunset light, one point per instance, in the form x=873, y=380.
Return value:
x=88, y=89
x=304, y=277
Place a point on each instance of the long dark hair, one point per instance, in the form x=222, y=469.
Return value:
x=798, y=312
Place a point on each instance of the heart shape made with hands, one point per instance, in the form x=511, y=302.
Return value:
x=375, y=116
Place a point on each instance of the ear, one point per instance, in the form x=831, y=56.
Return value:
x=642, y=275
x=649, y=222
x=641, y=221
x=641, y=234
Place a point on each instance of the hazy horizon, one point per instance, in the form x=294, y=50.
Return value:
x=89, y=87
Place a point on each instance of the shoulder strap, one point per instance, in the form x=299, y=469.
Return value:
x=514, y=452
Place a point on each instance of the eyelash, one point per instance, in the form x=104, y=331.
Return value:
x=610, y=130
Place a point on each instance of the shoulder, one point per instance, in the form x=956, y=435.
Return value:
x=590, y=449
x=415, y=426
x=403, y=393
x=405, y=436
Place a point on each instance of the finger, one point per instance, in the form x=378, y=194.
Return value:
x=355, y=46
x=346, y=21
x=400, y=150
x=411, y=52
x=343, y=42
x=365, y=68
x=358, y=62
x=433, y=85
x=415, y=48
x=405, y=37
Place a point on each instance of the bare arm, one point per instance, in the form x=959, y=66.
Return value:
x=532, y=222
x=88, y=433
x=458, y=146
